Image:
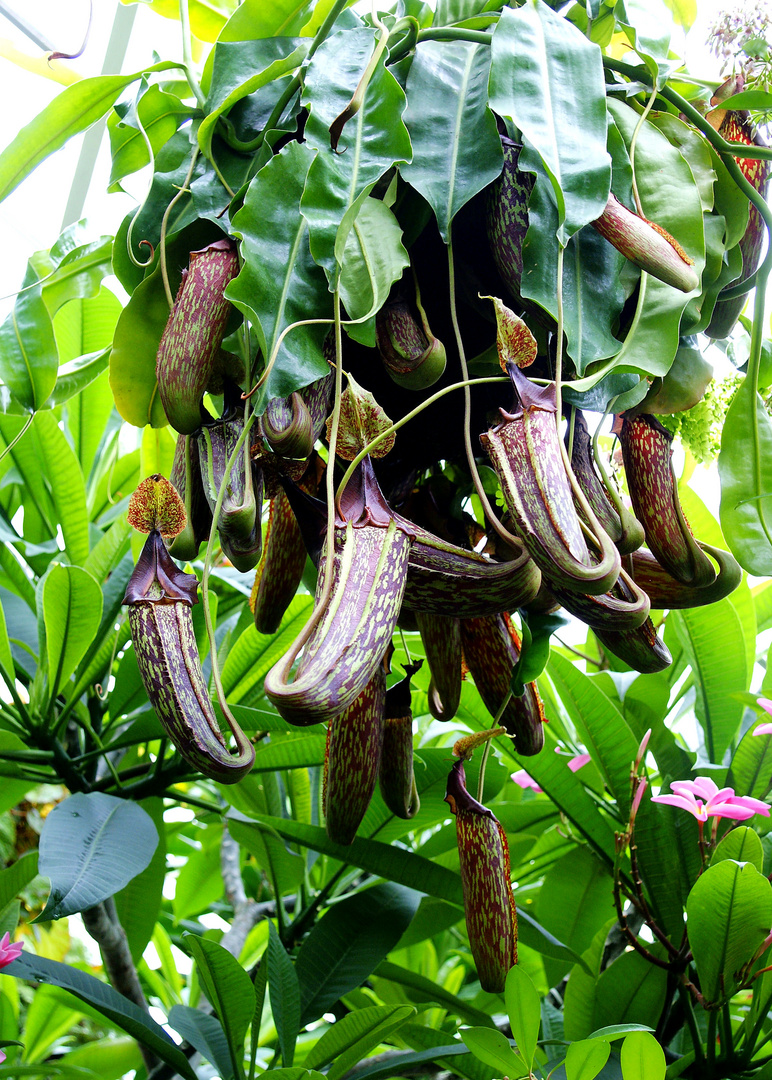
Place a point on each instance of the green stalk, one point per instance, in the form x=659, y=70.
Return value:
x=441, y=33
x=691, y=1023
x=487, y=746
x=187, y=56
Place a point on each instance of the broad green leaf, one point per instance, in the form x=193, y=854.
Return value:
x=6, y=657
x=199, y=882
x=742, y=845
x=74, y=267
x=666, y=828
x=729, y=913
x=255, y=19
x=47, y=1020
x=288, y=753
x=17, y=876
x=373, y=259
x=538, y=938
x=86, y=325
x=524, y=1011
x=629, y=990
x=373, y=140
x=745, y=468
x=493, y=1048
x=279, y=283
x=548, y=78
x=133, y=357
x=389, y=861
x=579, y=998
x=253, y=655
x=456, y=145
x=671, y=198
x=351, y=1038
x=649, y=26
x=751, y=770
x=642, y=1057
x=28, y=356
x=420, y=989
x=348, y=943
x=75, y=109
x=573, y=904
x=206, y=1034
x=85, y=387
x=222, y=98
x=599, y=724
x=139, y=902
x=284, y=992
x=593, y=290
x=719, y=672
x=586, y=1058
x=90, y=847
x=159, y=113
x=109, y=1058
x=118, y=1009
x=72, y=610
x=229, y=989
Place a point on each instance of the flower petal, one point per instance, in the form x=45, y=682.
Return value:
x=763, y=729
x=684, y=803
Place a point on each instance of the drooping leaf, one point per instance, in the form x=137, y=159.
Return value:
x=159, y=113
x=279, y=283
x=284, y=992
x=373, y=140
x=493, y=1048
x=230, y=990
x=206, y=1034
x=524, y=1012
x=456, y=145
x=373, y=259
x=117, y=1008
x=28, y=356
x=548, y=78
x=75, y=109
x=745, y=468
x=90, y=847
x=72, y=610
x=349, y=942
x=352, y=1037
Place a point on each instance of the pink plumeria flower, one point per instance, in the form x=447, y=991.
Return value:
x=764, y=729
x=523, y=780
x=577, y=762
x=2, y=1057
x=8, y=951
x=703, y=798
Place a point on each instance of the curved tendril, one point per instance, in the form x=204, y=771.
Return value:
x=269, y=366
x=506, y=536
x=404, y=420
x=242, y=742
x=17, y=437
x=633, y=145
x=164, y=225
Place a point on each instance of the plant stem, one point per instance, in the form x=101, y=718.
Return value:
x=691, y=1023
x=187, y=55
x=712, y=1020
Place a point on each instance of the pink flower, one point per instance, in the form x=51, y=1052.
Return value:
x=704, y=799
x=2, y=1057
x=763, y=729
x=523, y=780
x=578, y=761
x=8, y=952
x=765, y=703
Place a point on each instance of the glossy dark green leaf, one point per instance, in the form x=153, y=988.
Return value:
x=548, y=78
x=72, y=611
x=17, y=876
x=456, y=145
x=745, y=468
x=373, y=259
x=230, y=990
x=75, y=109
x=729, y=913
x=159, y=113
x=279, y=283
x=420, y=989
x=284, y=992
x=229, y=84
x=373, y=140
x=119, y=1010
x=253, y=655
x=206, y=1034
x=593, y=292
x=349, y=942
x=90, y=847
x=630, y=990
